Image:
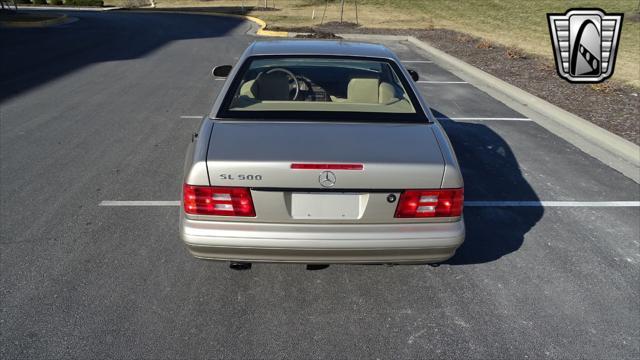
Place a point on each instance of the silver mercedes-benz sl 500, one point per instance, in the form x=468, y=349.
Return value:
x=321, y=152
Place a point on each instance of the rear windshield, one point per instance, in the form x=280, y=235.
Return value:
x=321, y=88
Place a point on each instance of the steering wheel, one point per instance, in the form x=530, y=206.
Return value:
x=293, y=80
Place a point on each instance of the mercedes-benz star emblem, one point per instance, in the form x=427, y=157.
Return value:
x=327, y=179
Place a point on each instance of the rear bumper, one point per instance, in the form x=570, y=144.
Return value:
x=322, y=243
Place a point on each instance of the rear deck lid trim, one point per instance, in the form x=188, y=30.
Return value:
x=313, y=166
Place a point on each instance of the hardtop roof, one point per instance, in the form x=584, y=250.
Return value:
x=319, y=47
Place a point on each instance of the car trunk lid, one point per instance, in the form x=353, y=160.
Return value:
x=260, y=155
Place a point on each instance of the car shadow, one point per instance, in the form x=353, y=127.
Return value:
x=491, y=173
x=32, y=57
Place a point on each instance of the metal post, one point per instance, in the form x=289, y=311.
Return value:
x=341, y=10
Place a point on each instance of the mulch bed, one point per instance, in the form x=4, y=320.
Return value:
x=610, y=105
x=318, y=35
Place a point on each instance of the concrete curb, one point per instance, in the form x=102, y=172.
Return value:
x=370, y=37
x=618, y=153
x=609, y=148
x=62, y=19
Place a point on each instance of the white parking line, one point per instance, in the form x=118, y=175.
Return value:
x=552, y=203
x=440, y=82
x=220, y=79
x=191, y=117
x=483, y=119
x=470, y=203
x=417, y=61
x=139, y=203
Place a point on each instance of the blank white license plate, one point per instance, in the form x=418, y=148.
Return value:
x=329, y=206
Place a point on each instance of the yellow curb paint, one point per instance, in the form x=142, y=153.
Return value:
x=262, y=25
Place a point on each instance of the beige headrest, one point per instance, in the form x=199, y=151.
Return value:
x=386, y=93
x=363, y=90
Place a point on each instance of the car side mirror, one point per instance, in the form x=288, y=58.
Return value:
x=414, y=74
x=221, y=71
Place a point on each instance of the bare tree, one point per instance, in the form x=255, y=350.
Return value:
x=356, y=3
x=326, y=3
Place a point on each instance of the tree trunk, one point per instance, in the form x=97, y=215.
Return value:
x=356, y=2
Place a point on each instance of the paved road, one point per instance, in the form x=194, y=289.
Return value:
x=90, y=111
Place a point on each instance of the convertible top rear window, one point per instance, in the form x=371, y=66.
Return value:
x=321, y=87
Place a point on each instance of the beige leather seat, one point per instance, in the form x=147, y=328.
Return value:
x=362, y=90
x=368, y=91
x=247, y=89
x=386, y=93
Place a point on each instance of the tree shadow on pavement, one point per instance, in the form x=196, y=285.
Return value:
x=491, y=173
x=34, y=56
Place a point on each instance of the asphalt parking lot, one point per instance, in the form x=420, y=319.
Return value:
x=103, y=109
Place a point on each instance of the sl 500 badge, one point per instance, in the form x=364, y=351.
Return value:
x=241, y=177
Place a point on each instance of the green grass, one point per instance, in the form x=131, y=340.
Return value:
x=523, y=23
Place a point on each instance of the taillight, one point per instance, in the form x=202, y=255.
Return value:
x=213, y=200
x=430, y=203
